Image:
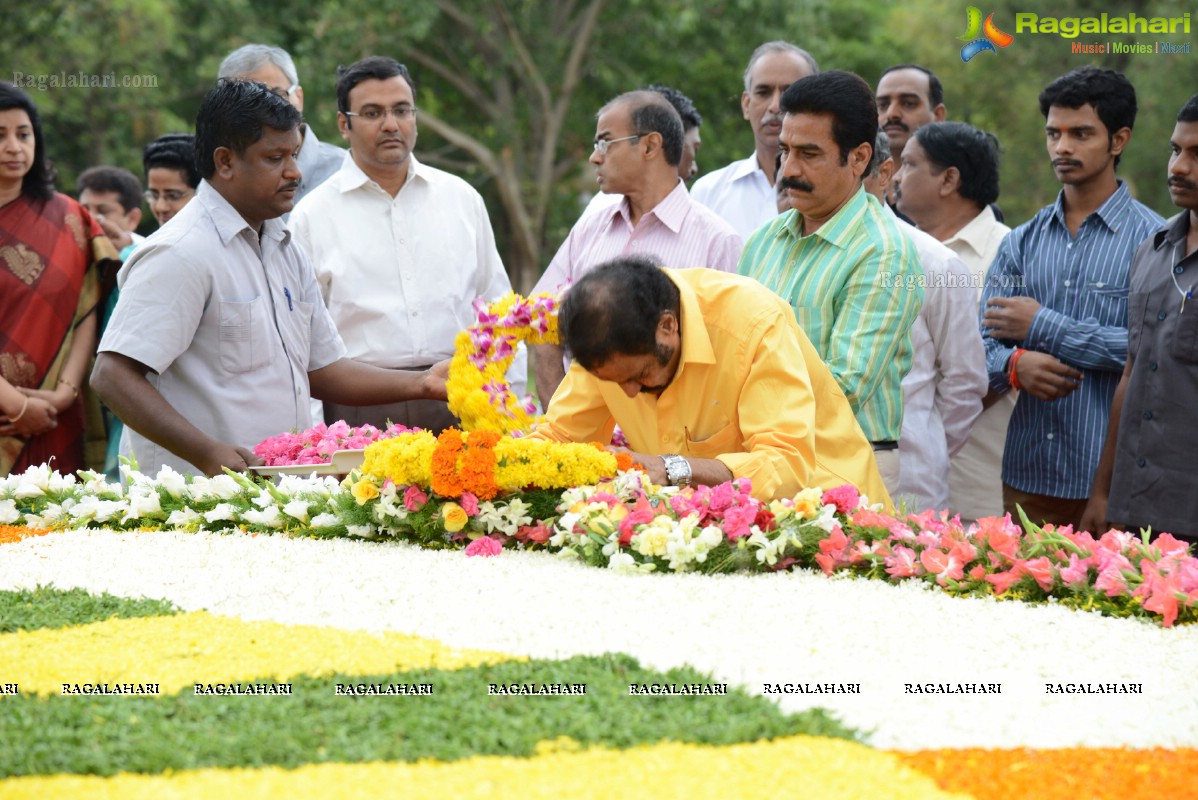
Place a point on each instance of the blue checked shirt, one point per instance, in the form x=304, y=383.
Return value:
x=1081, y=283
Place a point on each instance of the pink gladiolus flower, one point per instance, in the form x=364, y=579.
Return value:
x=963, y=551
x=642, y=513
x=901, y=563
x=534, y=533
x=1170, y=546
x=1002, y=581
x=414, y=499
x=845, y=498
x=1000, y=534
x=977, y=573
x=833, y=550
x=1077, y=574
x=872, y=519
x=942, y=565
x=1041, y=570
x=1112, y=581
x=485, y=546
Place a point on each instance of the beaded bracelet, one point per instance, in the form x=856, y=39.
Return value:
x=24, y=408
x=74, y=388
x=1012, y=377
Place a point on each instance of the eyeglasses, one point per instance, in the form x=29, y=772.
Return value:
x=375, y=115
x=601, y=145
x=285, y=93
x=170, y=195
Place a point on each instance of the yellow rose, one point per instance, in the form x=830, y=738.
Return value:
x=454, y=517
x=365, y=490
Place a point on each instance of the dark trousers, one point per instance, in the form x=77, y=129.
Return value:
x=1041, y=508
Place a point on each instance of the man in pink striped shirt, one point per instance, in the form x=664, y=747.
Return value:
x=638, y=144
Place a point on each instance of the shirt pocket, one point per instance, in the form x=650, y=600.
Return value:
x=1184, y=344
x=727, y=439
x=1137, y=303
x=1108, y=303
x=244, y=343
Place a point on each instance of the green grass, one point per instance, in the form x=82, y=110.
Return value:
x=106, y=735
x=47, y=607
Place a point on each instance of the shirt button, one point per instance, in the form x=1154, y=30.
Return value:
x=1066, y=283
x=1179, y=270
x=1152, y=366
x=1141, y=462
x=1161, y=315
x=1050, y=436
x=1147, y=415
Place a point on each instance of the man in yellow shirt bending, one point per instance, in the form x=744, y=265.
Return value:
x=710, y=378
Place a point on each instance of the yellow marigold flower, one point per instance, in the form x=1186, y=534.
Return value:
x=454, y=517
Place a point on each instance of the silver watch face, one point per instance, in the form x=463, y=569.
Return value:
x=677, y=470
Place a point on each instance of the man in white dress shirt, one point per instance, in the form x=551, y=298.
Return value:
x=942, y=394
x=401, y=249
x=947, y=182
x=743, y=192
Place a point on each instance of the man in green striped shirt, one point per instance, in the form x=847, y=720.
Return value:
x=853, y=278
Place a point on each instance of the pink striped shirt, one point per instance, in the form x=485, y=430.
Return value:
x=678, y=233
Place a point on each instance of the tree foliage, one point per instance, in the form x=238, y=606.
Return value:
x=508, y=89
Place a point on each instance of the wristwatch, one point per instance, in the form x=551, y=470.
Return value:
x=678, y=470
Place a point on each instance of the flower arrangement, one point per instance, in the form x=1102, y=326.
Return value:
x=485, y=464
x=625, y=523
x=317, y=444
x=479, y=393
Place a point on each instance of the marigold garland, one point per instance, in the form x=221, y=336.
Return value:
x=487, y=464
x=479, y=393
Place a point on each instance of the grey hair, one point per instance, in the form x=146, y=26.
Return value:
x=881, y=152
x=778, y=46
x=251, y=57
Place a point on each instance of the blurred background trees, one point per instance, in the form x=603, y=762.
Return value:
x=508, y=89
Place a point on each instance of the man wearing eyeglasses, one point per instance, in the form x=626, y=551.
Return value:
x=638, y=144
x=273, y=66
x=401, y=249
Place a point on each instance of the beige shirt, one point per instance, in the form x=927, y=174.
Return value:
x=230, y=325
x=975, y=473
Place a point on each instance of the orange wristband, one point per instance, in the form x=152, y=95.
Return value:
x=1012, y=377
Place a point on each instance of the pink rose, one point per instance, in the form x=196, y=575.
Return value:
x=414, y=499
x=485, y=546
x=469, y=503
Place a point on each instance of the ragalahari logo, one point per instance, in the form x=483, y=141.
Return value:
x=990, y=35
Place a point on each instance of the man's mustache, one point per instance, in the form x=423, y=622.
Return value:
x=796, y=184
x=1182, y=183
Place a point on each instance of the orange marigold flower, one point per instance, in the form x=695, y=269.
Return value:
x=445, y=478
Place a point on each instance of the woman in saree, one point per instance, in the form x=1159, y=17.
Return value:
x=51, y=254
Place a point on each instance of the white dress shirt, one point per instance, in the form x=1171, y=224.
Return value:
x=230, y=323
x=400, y=274
x=740, y=193
x=975, y=474
x=942, y=394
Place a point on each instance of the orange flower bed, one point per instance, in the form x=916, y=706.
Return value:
x=12, y=533
x=1062, y=774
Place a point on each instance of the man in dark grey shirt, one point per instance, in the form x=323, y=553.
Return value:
x=1146, y=475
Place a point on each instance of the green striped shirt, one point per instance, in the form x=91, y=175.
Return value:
x=856, y=288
